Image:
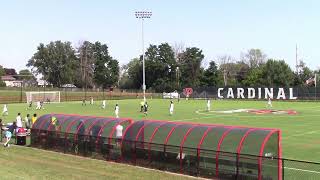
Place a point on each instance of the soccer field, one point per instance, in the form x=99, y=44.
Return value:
x=300, y=131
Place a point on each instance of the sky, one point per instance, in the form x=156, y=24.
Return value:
x=217, y=27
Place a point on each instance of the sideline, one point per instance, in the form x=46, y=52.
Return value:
x=111, y=162
x=301, y=134
x=304, y=170
x=260, y=116
x=144, y=168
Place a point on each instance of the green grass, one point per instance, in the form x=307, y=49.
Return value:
x=300, y=133
x=27, y=163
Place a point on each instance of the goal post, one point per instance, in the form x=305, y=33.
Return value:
x=44, y=96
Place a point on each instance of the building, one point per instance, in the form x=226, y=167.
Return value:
x=11, y=81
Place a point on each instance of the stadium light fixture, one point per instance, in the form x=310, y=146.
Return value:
x=143, y=15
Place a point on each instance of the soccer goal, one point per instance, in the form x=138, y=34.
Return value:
x=44, y=96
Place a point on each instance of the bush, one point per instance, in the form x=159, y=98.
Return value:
x=2, y=84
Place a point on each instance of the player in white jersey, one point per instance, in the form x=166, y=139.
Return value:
x=116, y=110
x=119, y=129
x=19, y=121
x=269, y=105
x=171, y=108
x=5, y=110
x=38, y=107
x=103, y=105
x=91, y=101
x=208, y=105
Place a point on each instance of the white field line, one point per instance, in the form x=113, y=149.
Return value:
x=260, y=116
x=304, y=170
x=301, y=134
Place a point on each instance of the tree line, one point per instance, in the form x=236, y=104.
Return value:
x=167, y=68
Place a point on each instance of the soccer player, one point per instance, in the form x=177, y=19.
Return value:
x=34, y=119
x=38, y=107
x=145, y=108
x=29, y=105
x=171, y=108
x=41, y=105
x=91, y=100
x=116, y=110
x=141, y=106
x=5, y=110
x=208, y=105
x=19, y=121
x=54, y=122
x=269, y=105
x=103, y=106
x=27, y=121
x=119, y=129
x=84, y=102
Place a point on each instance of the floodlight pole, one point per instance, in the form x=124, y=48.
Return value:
x=143, y=15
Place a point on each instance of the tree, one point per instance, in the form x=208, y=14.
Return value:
x=212, y=76
x=25, y=74
x=304, y=74
x=190, y=61
x=133, y=74
x=106, y=72
x=277, y=73
x=160, y=67
x=254, y=77
x=85, y=63
x=254, y=58
x=56, y=62
x=226, y=66
x=2, y=72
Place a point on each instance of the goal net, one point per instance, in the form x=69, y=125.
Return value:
x=44, y=96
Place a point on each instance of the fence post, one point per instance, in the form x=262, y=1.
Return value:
x=65, y=142
x=198, y=161
x=282, y=169
x=237, y=165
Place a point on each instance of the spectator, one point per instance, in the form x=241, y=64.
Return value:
x=27, y=121
x=34, y=119
x=9, y=133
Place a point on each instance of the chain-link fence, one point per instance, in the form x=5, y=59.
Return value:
x=255, y=93
x=300, y=170
x=18, y=95
x=167, y=157
x=136, y=153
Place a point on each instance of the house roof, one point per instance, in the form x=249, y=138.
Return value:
x=7, y=78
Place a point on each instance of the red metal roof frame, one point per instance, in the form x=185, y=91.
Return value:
x=182, y=143
x=202, y=139
x=43, y=121
x=219, y=146
x=75, y=137
x=74, y=122
x=122, y=120
x=177, y=124
x=65, y=118
x=209, y=128
x=261, y=154
x=93, y=124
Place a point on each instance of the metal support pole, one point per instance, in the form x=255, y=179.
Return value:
x=143, y=64
x=143, y=15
